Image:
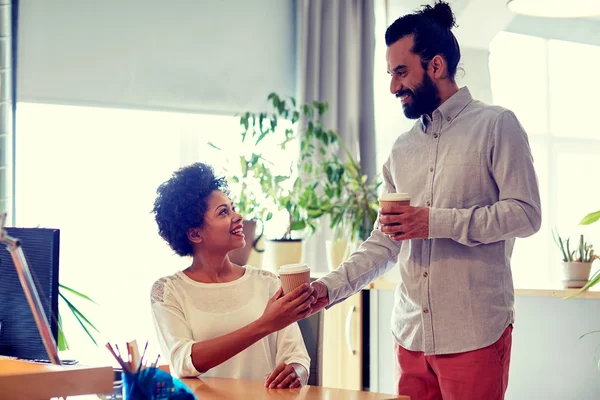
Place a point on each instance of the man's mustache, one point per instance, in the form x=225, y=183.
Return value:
x=401, y=93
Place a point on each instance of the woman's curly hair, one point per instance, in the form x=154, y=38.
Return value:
x=181, y=204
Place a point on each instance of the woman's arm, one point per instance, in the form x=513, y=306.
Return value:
x=176, y=336
x=279, y=313
x=210, y=353
x=293, y=361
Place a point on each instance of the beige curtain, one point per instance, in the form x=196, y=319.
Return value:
x=335, y=55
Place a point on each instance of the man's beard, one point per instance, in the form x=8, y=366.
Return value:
x=424, y=99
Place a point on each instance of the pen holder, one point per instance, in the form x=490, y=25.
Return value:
x=154, y=384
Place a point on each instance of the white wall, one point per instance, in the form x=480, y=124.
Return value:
x=548, y=360
x=475, y=73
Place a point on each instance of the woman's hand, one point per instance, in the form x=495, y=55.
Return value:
x=282, y=311
x=290, y=376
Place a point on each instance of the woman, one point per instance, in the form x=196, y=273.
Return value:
x=216, y=318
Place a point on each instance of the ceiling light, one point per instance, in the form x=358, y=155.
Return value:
x=556, y=8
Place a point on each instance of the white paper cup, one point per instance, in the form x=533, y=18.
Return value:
x=293, y=275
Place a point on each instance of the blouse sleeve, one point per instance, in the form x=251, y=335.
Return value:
x=290, y=344
x=291, y=348
x=173, y=332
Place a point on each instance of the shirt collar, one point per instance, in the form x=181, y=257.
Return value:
x=451, y=107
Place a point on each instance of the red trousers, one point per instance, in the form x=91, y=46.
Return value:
x=480, y=374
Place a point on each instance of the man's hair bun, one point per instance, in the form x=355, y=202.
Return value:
x=441, y=13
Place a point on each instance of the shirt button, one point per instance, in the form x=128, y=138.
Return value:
x=431, y=169
x=428, y=203
x=435, y=135
x=425, y=274
x=448, y=119
x=426, y=310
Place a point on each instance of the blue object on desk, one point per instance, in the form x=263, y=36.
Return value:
x=154, y=384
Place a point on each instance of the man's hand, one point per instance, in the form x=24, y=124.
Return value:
x=290, y=376
x=321, y=295
x=404, y=222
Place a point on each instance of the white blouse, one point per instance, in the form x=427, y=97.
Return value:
x=185, y=312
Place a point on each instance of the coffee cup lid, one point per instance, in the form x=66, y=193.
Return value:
x=394, y=197
x=293, y=269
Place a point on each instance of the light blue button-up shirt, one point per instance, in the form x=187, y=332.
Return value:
x=472, y=165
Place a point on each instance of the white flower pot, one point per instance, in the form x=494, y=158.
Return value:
x=338, y=251
x=281, y=252
x=575, y=274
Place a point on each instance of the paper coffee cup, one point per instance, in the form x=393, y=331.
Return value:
x=402, y=199
x=293, y=275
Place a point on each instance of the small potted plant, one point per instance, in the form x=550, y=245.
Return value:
x=576, y=264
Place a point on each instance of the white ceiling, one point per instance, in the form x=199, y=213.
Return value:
x=480, y=20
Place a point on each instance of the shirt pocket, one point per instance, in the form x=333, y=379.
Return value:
x=461, y=178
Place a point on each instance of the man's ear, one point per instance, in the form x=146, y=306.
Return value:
x=438, y=67
x=194, y=235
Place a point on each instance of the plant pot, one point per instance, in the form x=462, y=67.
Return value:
x=338, y=251
x=575, y=274
x=256, y=256
x=240, y=256
x=281, y=252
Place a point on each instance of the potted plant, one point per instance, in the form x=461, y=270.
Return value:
x=335, y=184
x=330, y=180
x=577, y=264
x=594, y=279
x=347, y=196
x=291, y=193
x=352, y=204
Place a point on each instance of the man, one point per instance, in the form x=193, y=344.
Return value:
x=469, y=171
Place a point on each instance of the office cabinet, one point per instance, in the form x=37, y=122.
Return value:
x=343, y=344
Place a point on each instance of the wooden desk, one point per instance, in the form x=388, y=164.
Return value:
x=23, y=380
x=234, y=389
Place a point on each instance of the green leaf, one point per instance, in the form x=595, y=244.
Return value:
x=78, y=313
x=314, y=213
x=244, y=166
x=214, y=146
x=590, y=218
x=62, y=340
x=592, y=282
x=263, y=134
x=75, y=292
x=298, y=225
x=589, y=333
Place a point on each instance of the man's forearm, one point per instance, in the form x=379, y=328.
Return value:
x=368, y=263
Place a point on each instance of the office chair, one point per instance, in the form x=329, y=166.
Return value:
x=312, y=332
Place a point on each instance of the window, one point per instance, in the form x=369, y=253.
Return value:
x=93, y=173
x=538, y=79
